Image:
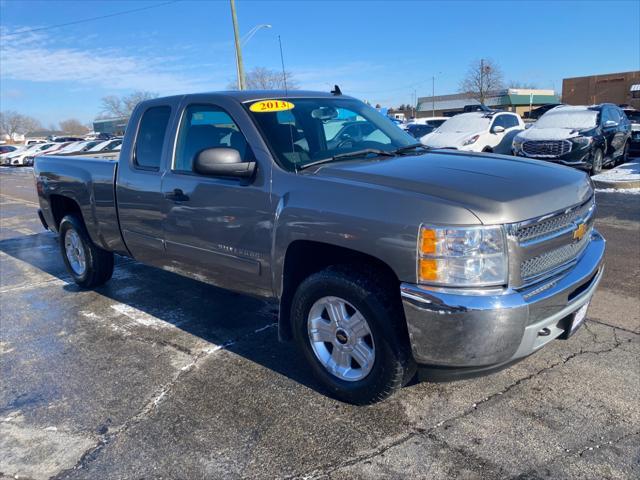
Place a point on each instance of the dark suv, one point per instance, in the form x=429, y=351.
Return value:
x=634, y=142
x=578, y=136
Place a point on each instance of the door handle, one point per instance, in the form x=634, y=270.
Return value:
x=177, y=196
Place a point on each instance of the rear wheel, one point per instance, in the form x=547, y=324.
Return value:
x=596, y=162
x=624, y=158
x=349, y=328
x=88, y=264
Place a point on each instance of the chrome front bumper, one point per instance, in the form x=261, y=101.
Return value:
x=485, y=328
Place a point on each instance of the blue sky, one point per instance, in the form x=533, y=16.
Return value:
x=376, y=50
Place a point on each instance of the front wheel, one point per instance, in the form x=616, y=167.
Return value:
x=349, y=328
x=88, y=264
x=596, y=162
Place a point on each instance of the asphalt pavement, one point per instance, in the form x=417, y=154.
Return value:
x=157, y=376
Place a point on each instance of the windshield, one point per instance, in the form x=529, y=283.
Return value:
x=305, y=130
x=465, y=123
x=633, y=115
x=572, y=119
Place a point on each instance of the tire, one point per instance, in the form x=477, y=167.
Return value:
x=624, y=158
x=89, y=265
x=388, y=363
x=596, y=162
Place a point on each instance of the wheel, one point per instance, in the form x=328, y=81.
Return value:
x=88, y=264
x=596, y=162
x=351, y=330
x=624, y=158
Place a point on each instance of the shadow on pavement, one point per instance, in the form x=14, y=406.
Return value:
x=213, y=314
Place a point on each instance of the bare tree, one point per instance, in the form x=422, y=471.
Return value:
x=115, y=106
x=262, y=78
x=483, y=76
x=73, y=126
x=524, y=85
x=12, y=123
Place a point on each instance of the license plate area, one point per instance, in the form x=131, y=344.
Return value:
x=575, y=320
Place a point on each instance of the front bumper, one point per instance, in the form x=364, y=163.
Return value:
x=577, y=157
x=484, y=329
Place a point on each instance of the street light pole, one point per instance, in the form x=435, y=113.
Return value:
x=433, y=95
x=249, y=35
x=236, y=35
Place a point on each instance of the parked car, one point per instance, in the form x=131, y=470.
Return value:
x=477, y=132
x=106, y=146
x=17, y=158
x=53, y=148
x=67, y=139
x=536, y=113
x=578, y=136
x=79, y=147
x=384, y=256
x=418, y=130
x=634, y=141
x=7, y=149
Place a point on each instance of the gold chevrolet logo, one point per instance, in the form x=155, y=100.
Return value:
x=579, y=232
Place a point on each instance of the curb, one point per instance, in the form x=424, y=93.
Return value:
x=620, y=185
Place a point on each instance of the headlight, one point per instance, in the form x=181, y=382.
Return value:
x=471, y=140
x=462, y=256
x=582, y=141
x=517, y=143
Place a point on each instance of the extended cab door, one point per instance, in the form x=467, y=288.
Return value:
x=138, y=184
x=217, y=229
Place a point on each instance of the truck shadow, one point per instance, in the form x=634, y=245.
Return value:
x=244, y=325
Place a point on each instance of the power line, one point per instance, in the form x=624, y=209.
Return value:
x=115, y=14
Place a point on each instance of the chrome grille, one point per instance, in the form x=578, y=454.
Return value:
x=549, y=261
x=546, y=246
x=546, y=148
x=553, y=224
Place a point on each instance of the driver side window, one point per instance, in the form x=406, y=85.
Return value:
x=206, y=126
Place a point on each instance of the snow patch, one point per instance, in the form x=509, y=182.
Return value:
x=626, y=172
x=629, y=191
x=143, y=318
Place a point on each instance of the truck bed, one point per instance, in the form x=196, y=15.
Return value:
x=90, y=182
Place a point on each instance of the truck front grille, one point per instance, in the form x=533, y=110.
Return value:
x=546, y=148
x=550, y=244
x=549, y=261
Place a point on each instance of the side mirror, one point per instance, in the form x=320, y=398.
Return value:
x=610, y=124
x=497, y=129
x=223, y=162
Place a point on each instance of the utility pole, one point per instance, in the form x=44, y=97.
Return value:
x=481, y=80
x=236, y=35
x=433, y=95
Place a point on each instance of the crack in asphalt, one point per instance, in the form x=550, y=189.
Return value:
x=615, y=327
x=153, y=404
x=328, y=469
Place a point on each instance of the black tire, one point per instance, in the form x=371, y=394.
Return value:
x=596, y=162
x=624, y=158
x=393, y=366
x=98, y=262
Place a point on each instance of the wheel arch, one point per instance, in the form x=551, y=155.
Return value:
x=305, y=257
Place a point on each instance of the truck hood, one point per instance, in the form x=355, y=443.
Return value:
x=446, y=139
x=497, y=189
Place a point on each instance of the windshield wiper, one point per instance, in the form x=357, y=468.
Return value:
x=357, y=153
x=410, y=147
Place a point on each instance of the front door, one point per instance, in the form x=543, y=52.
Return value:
x=216, y=229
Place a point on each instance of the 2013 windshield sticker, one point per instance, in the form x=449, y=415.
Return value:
x=271, y=106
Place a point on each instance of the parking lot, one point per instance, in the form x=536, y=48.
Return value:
x=158, y=376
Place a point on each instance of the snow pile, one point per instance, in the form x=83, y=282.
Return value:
x=627, y=172
x=632, y=191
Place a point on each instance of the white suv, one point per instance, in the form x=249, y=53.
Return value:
x=477, y=132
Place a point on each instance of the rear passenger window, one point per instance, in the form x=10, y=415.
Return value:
x=207, y=126
x=153, y=127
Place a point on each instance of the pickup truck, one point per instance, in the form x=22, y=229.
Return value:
x=387, y=258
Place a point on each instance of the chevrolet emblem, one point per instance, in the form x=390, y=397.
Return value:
x=579, y=232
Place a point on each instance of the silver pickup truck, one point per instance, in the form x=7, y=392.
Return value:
x=386, y=258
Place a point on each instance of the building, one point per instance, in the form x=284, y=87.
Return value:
x=618, y=88
x=518, y=100
x=111, y=126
